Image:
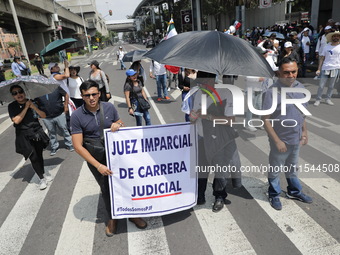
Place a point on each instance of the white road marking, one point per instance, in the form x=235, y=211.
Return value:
x=4, y=125
x=306, y=234
x=151, y=240
x=213, y=224
x=5, y=177
x=80, y=221
x=18, y=223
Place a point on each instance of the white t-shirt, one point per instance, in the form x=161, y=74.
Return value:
x=157, y=68
x=271, y=63
x=332, y=57
x=304, y=41
x=73, y=86
x=120, y=54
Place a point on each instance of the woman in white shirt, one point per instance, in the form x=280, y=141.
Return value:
x=73, y=84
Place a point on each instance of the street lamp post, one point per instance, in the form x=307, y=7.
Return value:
x=87, y=39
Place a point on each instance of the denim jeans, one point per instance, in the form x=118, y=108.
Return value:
x=139, y=118
x=161, y=85
x=323, y=80
x=289, y=161
x=257, y=103
x=122, y=65
x=52, y=125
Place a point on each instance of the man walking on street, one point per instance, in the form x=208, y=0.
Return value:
x=329, y=67
x=158, y=72
x=285, y=141
x=120, y=55
x=54, y=107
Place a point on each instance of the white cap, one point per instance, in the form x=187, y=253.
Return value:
x=288, y=45
x=328, y=27
x=1, y=64
x=36, y=54
x=232, y=29
x=306, y=29
x=52, y=64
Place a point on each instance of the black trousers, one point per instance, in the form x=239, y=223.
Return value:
x=37, y=159
x=103, y=182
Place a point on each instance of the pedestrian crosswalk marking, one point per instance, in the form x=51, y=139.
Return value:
x=18, y=223
x=176, y=94
x=297, y=225
x=5, y=177
x=320, y=182
x=213, y=224
x=4, y=125
x=79, y=225
x=326, y=147
x=151, y=240
x=4, y=115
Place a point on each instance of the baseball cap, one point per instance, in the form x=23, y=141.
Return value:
x=52, y=64
x=120, y=47
x=36, y=54
x=130, y=72
x=328, y=27
x=293, y=33
x=288, y=45
x=305, y=29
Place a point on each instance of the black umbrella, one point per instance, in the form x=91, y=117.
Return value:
x=56, y=46
x=134, y=55
x=211, y=51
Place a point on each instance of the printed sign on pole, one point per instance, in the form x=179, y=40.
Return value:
x=153, y=170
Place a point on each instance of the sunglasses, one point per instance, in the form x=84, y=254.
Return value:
x=89, y=95
x=14, y=93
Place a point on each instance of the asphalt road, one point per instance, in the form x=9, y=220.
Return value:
x=68, y=218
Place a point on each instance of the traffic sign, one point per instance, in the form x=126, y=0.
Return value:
x=186, y=17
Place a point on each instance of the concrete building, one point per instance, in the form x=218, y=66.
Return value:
x=93, y=19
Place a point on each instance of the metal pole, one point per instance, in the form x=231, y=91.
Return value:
x=198, y=15
x=17, y=26
x=87, y=39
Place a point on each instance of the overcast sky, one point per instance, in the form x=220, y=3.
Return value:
x=120, y=8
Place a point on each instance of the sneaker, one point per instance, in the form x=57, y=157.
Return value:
x=54, y=151
x=42, y=184
x=301, y=197
x=329, y=102
x=48, y=178
x=218, y=205
x=252, y=129
x=159, y=99
x=168, y=88
x=275, y=203
x=70, y=148
x=167, y=98
x=317, y=102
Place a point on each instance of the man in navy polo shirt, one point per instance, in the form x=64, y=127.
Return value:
x=285, y=140
x=85, y=125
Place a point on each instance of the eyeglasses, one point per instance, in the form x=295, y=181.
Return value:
x=14, y=93
x=89, y=95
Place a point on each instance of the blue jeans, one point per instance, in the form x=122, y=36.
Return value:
x=289, y=160
x=161, y=85
x=323, y=80
x=52, y=125
x=140, y=114
x=257, y=103
x=122, y=65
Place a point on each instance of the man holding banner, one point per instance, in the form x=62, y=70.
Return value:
x=87, y=127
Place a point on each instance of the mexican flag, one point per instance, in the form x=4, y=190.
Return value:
x=171, y=31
